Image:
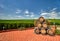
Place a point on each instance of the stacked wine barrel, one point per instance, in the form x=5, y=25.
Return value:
x=43, y=27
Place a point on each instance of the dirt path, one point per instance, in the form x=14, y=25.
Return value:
x=26, y=35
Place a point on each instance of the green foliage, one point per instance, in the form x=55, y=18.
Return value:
x=16, y=21
x=56, y=21
x=20, y=24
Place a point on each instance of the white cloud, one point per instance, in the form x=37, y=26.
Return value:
x=42, y=14
x=32, y=14
x=51, y=14
x=19, y=16
x=9, y=16
x=26, y=15
x=18, y=11
x=42, y=10
x=29, y=14
x=26, y=11
x=53, y=9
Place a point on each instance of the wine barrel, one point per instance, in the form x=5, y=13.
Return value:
x=44, y=25
x=43, y=31
x=50, y=32
x=41, y=19
x=53, y=28
x=36, y=30
x=39, y=25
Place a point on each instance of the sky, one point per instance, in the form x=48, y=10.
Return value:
x=29, y=9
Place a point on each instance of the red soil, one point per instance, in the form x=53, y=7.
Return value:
x=26, y=35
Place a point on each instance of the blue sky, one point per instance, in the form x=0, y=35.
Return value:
x=29, y=9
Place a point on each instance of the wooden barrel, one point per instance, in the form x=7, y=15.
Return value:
x=41, y=19
x=53, y=28
x=50, y=32
x=39, y=25
x=43, y=31
x=37, y=30
x=44, y=25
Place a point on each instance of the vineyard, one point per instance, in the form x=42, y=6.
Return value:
x=16, y=24
x=21, y=24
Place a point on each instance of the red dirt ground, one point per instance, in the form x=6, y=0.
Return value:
x=26, y=35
